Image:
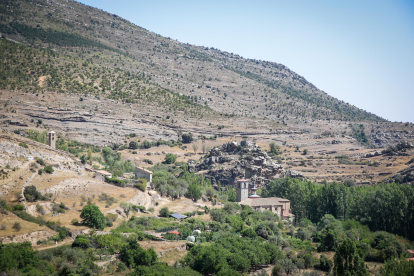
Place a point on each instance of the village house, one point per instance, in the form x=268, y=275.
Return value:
x=279, y=206
x=100, y=175
x=143, y=173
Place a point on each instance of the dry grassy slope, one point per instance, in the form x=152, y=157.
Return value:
x=69, y=184
x=226, y=82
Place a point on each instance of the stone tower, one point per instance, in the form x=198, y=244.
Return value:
x=52, y=139
x=242, y=189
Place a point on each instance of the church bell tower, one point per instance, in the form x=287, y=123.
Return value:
x=242, y=189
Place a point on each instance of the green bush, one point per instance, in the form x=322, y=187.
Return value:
x=116, y=181
x=141, y=185
x=17, y=226
x=187, y=138
x=164, y=269
x=23, y=144
x=148, y=161
x=170, y=158
x=31, y=194
x=40, y=161
x=49, y=169
x=325, y=264
x=164, y=212
x=81, y=241
x=18, y=207
x=133, y=255
x=111, y=217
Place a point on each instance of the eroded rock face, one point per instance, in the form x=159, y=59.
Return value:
x=32, y=237
x=232, y=161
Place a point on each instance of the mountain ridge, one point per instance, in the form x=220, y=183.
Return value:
x=223, y=81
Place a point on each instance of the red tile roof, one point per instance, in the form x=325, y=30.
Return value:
x=103, y=172
x=174, y=232
x=262, y=201
x=145, y=170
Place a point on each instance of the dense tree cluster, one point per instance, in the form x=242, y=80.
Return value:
x=386, y=207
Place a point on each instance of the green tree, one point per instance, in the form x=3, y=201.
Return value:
x=347, y=260
x=193, y=192
x=170, y=158
x=49, y=169
x=133, y=255
x=81, y=241
x=17, y=256
x=164, y=212
x=93, y=217
x=83, y=159
x=31, y=193
x=133, y=145
x=187, y=138
x=90, y=155
x=274, y=149
x=398, y=268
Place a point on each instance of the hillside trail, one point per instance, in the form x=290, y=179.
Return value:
x=64, y=242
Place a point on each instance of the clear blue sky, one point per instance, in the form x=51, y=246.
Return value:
x=361, y=52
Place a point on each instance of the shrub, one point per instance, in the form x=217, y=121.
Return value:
x=40, y=161
x=133, y=145
x=325, y=264
x=248, y=232
x=31, y=193
x=133, y=255
x=81, y=241
x=141, y=185
x=40, y=209
x=187, y=138
x=164, y=212
x=49, y=169
x=148, y=161
x=18, y=207
x=111, y=217
x=116, y=181
x=170, y=158
x=17, y=226
x=40, y=172
x=23, y=144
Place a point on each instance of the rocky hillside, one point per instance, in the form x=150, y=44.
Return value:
x=67, y=47
x=231, y=161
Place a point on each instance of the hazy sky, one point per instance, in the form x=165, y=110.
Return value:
x=361, y=52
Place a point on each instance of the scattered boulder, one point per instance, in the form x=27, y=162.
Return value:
x=292, y=173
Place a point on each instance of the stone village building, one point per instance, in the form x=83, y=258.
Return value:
x=143, y=173
x=279, y=206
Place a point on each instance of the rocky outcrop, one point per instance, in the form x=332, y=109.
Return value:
x=32, y=237
x=232, y=161
x=292, y=173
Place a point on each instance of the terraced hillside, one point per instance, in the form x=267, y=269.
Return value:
x=68, y=47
